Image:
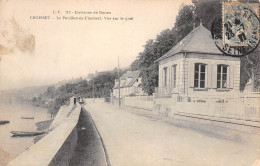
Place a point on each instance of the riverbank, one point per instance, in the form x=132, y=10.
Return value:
x=10, y=147
x=42, y=126
x=55, y=148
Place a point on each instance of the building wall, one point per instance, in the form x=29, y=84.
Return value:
x=185, y=72
x=168, y=63
x=212, y=61
x=126, y=91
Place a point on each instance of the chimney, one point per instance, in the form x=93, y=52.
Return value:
x=194, y=25
x=200, y=22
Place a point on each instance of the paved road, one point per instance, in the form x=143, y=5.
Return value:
x=134, y=140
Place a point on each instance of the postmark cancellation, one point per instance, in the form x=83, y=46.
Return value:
x=240, y=24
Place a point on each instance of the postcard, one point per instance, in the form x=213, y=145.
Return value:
x=129, y=83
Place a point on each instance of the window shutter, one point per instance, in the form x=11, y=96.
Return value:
x=178, y=81
x=160, y=77
x=208, y=72
x=191, y=75
x=170, y=75
x=214, y=76
x=231, y=76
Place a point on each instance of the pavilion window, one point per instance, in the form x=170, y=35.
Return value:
x=174, y=67
x=165, y=77
x=222, y=76
x=199, y=75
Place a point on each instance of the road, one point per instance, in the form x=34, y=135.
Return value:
x=131, y=139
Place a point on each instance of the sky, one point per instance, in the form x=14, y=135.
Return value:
x=44, y=51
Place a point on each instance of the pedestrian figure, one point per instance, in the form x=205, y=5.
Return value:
x=75, y=100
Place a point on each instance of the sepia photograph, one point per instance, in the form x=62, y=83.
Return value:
x=129, y=83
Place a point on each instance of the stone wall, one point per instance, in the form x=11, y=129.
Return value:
x=56, y=148
x=65, y=153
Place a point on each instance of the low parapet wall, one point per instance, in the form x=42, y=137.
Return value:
x=58, y=142
x=235, y=116
x=142, y=102
x=238, y=116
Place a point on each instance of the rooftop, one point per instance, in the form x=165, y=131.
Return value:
x=199, y=40
x=132, y=75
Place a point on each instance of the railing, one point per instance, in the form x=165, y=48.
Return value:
x=222, y=110
x=144, y=102
x=142, y=98
x=164, y=91
x=234, y=105
x=237, y=105
x=248, y=98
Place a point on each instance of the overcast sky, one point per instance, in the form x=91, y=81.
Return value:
x=66, y=48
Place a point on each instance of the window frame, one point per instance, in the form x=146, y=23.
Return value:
x=199, y=74
x=165, y=73
x=220, y=86
x=174, y=75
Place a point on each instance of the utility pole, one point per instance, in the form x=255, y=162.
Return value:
x=119, y=101
x=94, y=88
x=253, y=80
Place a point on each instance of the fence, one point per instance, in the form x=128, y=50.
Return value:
x=163, y=92
x=237, y=111
x=144, y=102
x=248, y=98
x=230, y=105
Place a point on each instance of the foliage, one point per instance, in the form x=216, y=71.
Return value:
x=99, y=86
x=201, y=10
x=135, y=64
x=154, y=49
x=50, y=92
x=59, y=101
x=207, y=11
x=250, y=68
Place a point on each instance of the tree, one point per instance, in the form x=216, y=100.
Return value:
x=202, y=10
x=207, y=11
x=184, y=22
x=135, y=64
x=34, y=99
x=155, y=49
x=250, y=68
x=50, y=92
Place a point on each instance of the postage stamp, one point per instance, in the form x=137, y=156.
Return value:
x=240, y=23
x=236, y=33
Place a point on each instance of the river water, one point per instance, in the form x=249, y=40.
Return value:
x=11, y=147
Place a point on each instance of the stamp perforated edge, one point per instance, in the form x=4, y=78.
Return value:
x=223, y=9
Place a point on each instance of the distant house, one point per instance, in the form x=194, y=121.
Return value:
x=129, y=84
x=195, y=65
